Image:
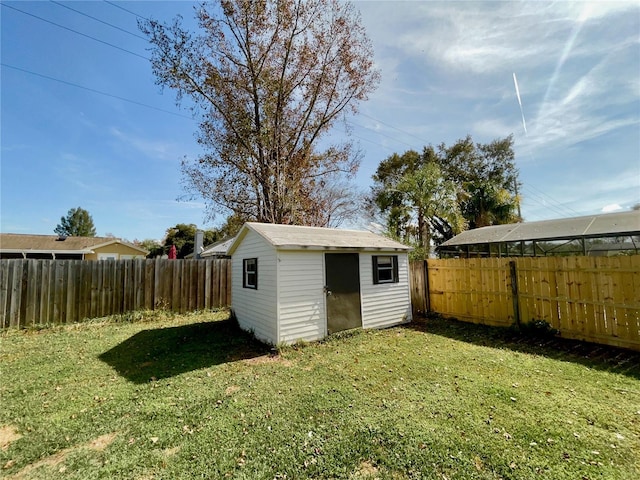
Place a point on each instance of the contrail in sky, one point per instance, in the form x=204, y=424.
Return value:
x=515, y=82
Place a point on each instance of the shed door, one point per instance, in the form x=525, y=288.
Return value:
x=342, y=274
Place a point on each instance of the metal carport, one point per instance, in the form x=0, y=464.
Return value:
x=602, y=234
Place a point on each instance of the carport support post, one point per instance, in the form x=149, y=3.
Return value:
x=514, y=291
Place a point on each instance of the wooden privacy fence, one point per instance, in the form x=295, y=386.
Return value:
x=63, y=291
x=587, y=298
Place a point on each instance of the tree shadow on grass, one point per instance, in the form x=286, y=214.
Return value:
x=601, y=357
x=165, y=352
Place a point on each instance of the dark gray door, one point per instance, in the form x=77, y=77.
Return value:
x=342, y=273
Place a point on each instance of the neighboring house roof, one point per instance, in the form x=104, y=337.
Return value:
x=292, y=237
x=218, y=248
x=18, y=243
x=602, y=225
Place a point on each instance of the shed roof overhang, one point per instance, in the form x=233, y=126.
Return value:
x=301, y=238
x=339, y=248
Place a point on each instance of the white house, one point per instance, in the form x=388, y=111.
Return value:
x=294, y=283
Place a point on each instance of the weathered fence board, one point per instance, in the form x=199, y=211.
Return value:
x=419, y=286
x=587, y=298
x=36, y=292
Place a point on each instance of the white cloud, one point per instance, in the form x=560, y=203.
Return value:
x=611, y=208
x=484, y=37
x=437, y=56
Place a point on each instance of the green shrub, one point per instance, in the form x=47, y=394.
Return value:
x=539, y=328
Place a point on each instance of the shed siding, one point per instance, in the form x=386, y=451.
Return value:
x=385, y=304
x=301, y=296
x=256, y=309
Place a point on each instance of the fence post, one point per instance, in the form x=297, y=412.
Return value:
x=514, y=291
x=427, y=299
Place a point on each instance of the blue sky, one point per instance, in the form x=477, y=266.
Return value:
x=447, y=71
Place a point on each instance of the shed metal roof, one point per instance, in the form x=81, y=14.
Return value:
x=606, y=224
x=293, y=237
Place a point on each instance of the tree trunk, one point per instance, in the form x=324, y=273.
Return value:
x=424, y=236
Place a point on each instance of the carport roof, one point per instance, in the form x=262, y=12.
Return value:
x=293, y=237
x=602, y=225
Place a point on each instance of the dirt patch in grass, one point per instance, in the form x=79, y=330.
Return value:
x=52, y=461
x=267, y=359
x=8, y=435
x=102, y=442
x=230, y=390
x=366, y=470
x=170, y=452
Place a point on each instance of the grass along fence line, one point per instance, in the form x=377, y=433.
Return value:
x=35, y=292
x=194, y=397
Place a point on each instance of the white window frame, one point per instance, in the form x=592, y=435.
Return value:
x=390, y=269
x=247, y=273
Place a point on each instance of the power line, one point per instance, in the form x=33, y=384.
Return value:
x=395, y=128
x=553, y=199
x=371, y=141
x=98, y=20
x=549, y=203
x=94, y=90
x=128, y=11
x=380, y=133
x=75, y=31
x=540, y=200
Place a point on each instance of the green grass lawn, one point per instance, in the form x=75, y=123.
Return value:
x=192, y=397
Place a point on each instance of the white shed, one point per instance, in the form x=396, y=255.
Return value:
x=293, y=283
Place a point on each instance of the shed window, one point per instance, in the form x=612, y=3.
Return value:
x=385, y=269
x=250, y=273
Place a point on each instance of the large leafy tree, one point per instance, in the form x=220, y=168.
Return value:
x=268, y=79
x=77, y=223
x=183, y=237
x=428, y=197
x=386, y=198
x=487, y=177
x=154, y=247
x=414, y=197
